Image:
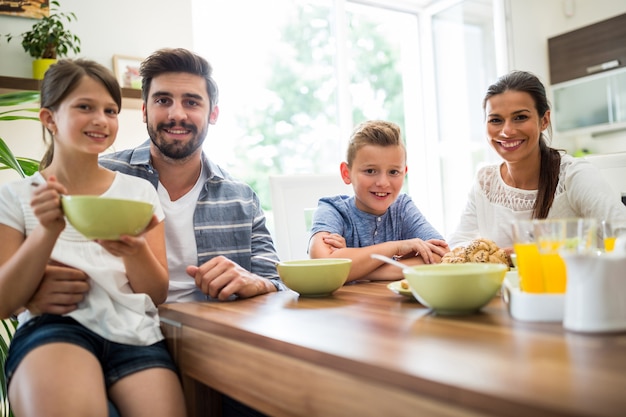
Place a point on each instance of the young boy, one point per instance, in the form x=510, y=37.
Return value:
x=378, y=218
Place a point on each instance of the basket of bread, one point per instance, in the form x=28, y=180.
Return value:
x=480, y=251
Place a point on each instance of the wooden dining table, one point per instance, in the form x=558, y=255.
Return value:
x=367, y=351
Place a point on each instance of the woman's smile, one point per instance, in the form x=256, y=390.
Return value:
x=510, y=145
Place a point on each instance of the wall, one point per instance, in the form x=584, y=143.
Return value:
x=138, y=27
x=107, y=28
x=532, y=23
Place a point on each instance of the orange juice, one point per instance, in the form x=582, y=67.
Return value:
x=529, y=267
x=553, y=270
x=609, y=243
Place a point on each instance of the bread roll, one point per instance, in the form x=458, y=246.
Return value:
x=480, y=250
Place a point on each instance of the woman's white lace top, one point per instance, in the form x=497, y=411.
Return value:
x=492, y=205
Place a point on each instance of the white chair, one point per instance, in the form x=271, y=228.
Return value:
x=294, y=198
x=613, y=166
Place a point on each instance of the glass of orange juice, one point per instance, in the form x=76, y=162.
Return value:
x=550, y=236
x=608, y=235
x=527, y=253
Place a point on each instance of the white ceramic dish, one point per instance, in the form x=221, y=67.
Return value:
x=525, y=306
x=396, y=287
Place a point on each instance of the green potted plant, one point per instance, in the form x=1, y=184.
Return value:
x=24, y=166
x=48, y=39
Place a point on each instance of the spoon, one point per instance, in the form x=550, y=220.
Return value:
x=388, y=260
x=265, y=258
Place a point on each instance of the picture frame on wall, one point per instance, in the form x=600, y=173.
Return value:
x=32, y=9
x=126, y=69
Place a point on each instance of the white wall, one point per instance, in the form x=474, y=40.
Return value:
x=106, y=28
x=532, y=23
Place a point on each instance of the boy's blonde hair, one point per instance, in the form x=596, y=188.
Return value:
x=374, y=132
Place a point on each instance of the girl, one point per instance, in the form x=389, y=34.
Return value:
x=112, y=344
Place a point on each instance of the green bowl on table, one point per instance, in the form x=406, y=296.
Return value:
x=106, y=218
x=455, y=289
x=314, y=277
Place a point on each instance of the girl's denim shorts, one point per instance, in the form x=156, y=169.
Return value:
x=117, y=360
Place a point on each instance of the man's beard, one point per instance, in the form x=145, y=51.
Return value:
x=176, y=149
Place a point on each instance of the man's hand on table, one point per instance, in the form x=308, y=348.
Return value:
x=220, y=278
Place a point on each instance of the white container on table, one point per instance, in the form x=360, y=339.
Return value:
x=536, y=307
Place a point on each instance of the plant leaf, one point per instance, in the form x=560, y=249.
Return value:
x=13, y=99
x=23, y=166
x=31, y=110
x=7, y=118
x=29, y=165
x=8, y=159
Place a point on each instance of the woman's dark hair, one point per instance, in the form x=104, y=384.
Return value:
x=62, y=78
x=550, y=164
x=177, y=60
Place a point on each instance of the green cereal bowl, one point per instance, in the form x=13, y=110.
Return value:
x=106, y=218
x=455, y=289
x=314, y=277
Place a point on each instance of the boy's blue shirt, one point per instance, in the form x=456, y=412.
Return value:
x=402, y=220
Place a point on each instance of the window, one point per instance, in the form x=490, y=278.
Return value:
x=464, y=62
x=297, y=75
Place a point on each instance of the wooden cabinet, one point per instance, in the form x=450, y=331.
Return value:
x=589, y=50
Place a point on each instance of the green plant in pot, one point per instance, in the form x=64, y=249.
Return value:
x=24, y=166
x=48, y=39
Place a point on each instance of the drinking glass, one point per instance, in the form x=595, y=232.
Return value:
x=609, y=234
x=581, y=236
x=527, y=252
x=550, y=236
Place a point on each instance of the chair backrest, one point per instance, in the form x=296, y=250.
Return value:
x=613, y=166
x=294, y=198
